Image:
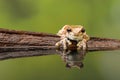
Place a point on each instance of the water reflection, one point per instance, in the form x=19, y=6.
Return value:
x=73, y=58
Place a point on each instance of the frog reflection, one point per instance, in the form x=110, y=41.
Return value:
x=73, y=58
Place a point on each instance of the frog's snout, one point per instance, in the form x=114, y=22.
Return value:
x=76, y=34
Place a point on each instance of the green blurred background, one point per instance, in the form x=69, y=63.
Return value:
x=100, y=17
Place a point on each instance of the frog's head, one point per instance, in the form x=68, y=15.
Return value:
x=73, y=32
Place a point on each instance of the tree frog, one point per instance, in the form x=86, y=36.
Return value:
x=71, y=33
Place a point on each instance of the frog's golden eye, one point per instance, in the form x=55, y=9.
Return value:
x=69, y=30
x=83, y=30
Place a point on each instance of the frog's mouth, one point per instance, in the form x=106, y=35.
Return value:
x=75, y=38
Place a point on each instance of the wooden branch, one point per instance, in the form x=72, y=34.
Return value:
x=15, y=44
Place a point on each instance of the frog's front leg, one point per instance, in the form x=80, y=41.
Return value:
x=82, y=45
x=64, y=42
x=68, y=42
x=58, y=44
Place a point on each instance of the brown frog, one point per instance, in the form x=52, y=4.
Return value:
x=72, y=33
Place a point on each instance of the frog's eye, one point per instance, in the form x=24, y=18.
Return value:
x=83, y=30
x=69, y=30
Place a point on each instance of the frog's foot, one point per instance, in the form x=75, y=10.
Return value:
x=58, y=44
x=69, y=42
x=62, y=43
x=65, y=43
x=81, y=46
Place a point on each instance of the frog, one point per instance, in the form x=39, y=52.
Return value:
x=70, y=33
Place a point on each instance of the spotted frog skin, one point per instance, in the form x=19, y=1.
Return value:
x=72, y=33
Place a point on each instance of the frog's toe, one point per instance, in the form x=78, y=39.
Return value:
x=69, y=43
x=79, y=48
x=57, y=45
x=65, y=47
